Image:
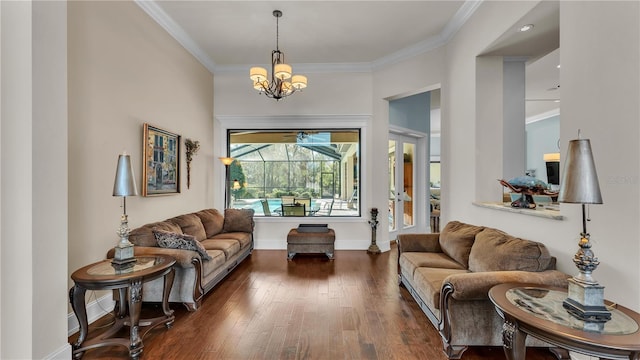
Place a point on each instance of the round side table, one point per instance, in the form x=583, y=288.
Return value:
x=127, y=281
x=537, y=310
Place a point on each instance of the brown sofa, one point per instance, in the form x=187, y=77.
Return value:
x=227, y=239
x=449, y=274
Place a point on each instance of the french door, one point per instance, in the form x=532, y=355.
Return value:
x=402, y=184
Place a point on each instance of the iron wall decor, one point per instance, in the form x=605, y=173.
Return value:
x=161, y=165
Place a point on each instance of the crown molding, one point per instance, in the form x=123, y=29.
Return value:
x=460, y=18
x=542, y=116
x=177, y=32
x=457, y=21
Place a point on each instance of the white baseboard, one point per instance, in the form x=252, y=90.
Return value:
x=95, y=310
x=64, y=353
x=263, y=244
x=576, y=356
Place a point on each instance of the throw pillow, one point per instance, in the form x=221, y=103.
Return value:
x=171, y=240
x=456, y=240
x=190, y=224
x=238, y=220
x=495, y=250
x=212, y=220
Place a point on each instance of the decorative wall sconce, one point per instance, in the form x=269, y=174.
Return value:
x=192, y=148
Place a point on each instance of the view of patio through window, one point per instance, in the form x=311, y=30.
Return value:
x=310, y=172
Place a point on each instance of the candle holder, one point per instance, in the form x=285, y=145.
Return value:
x=373, y=248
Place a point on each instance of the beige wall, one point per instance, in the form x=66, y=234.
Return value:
x=600, y=89
x=125, y=70
x=332, y=100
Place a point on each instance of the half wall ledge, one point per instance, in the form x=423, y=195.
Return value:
x=543, y=213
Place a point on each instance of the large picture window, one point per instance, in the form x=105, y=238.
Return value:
x=311, y=172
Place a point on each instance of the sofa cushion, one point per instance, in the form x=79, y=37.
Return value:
x=191, y=225
x=212, y=220
x=229, y=246
x=173, y=240
x=243, y=237
x=428, y=283
x=456, y=240
x=238, y=220
x=495, y=250
x=410, y=261
x=143, y=236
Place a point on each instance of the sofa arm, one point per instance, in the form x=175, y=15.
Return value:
x=418, y=242
x=475, y=286
x=184, y=258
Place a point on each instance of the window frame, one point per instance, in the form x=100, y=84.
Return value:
x=345, y=197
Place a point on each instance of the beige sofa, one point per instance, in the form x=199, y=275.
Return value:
x=227, y=239
x=449, y=274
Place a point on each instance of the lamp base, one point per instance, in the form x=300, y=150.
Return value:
x=586, y=302
x=123, y=255
x=373, y=249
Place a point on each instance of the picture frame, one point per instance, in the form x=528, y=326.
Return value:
x=161, y=161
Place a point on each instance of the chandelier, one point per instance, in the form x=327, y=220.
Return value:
x=282, y=83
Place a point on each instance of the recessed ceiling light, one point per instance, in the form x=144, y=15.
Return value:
x=558, y=66
x=526, y=28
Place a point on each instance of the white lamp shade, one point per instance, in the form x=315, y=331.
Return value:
x=258, y=74
x=282, y=71
x=299, y=82
x=125, y=183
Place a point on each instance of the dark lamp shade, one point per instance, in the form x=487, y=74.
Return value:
x=125, y=183
x=579, y=183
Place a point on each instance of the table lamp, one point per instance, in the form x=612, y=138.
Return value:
x=124, y=186
x=580, y=185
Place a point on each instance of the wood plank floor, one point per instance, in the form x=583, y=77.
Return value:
x=308, y=308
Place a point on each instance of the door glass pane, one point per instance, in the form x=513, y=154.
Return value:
x=392, y=185
x=407, y=194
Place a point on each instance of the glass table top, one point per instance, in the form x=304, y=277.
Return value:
x=105, y=268
x=547, y=304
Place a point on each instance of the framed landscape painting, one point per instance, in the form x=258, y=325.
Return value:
x=161, y=165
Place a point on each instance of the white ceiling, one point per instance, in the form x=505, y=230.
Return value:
x=227, y=34
x=231, y=36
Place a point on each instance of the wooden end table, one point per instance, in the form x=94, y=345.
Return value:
x=128, y=283
x=537, y=310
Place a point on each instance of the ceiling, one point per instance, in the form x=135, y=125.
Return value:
x=231, y=36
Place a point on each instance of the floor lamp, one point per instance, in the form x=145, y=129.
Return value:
x=227, y=162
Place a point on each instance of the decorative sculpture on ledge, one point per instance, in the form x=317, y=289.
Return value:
x=527, y=186
x=192, y=149
x=373, y=248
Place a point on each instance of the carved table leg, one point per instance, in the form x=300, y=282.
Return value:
x=120, y=310
x=168, y=283
x=76, y=297
x=513, y=340
x=135, y=304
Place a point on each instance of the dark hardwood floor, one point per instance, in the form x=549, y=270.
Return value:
x=308, y=308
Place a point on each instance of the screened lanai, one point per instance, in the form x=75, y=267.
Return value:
x=318, y=168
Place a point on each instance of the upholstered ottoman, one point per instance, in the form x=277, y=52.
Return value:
x=310, y=243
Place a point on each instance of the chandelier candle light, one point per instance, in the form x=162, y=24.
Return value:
x=580, y=185
x=282, y=82
x=124, y=185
